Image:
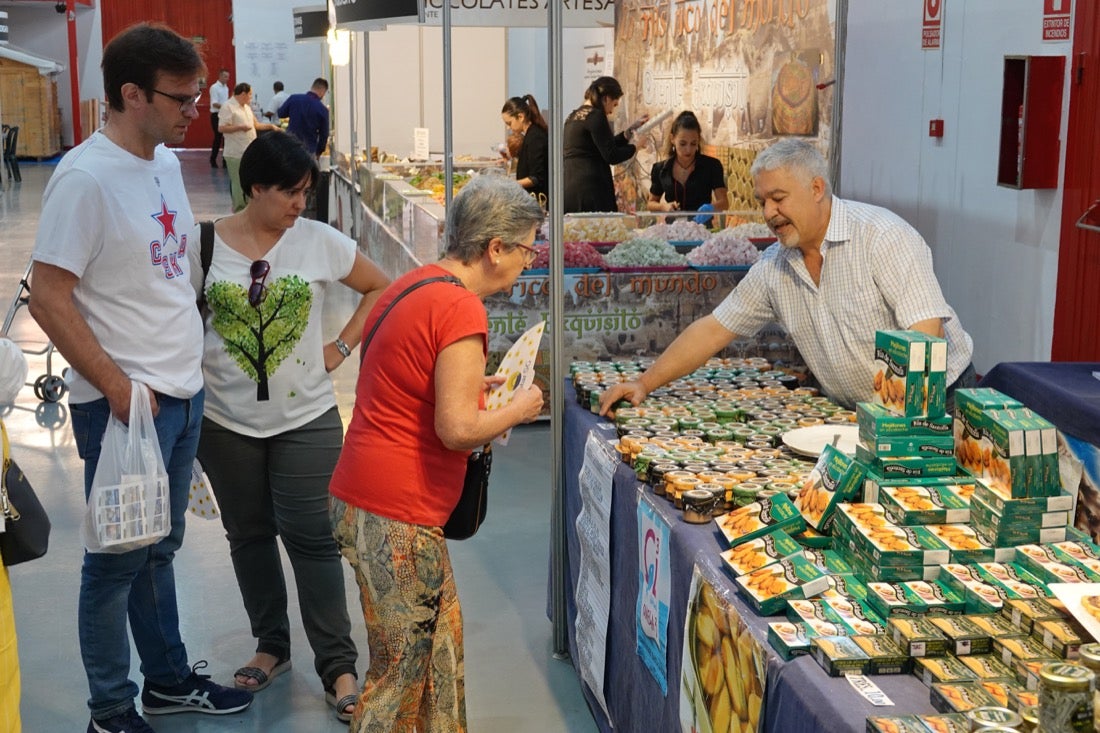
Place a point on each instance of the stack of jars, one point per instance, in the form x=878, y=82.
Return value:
x=719, y=429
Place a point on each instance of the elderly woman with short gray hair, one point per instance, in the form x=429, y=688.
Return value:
x=419, y=412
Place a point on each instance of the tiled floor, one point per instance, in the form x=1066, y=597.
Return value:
x=513, y=683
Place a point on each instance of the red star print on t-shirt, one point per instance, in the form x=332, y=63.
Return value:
x=167, y=219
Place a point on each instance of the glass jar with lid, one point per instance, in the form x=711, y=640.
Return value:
x=1065, y=698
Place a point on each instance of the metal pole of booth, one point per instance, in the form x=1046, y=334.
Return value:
x=353, y=131
x=448, y=132
x=838, y=94
x=366, y=100
x=557, y=339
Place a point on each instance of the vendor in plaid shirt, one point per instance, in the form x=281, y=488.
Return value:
x=840, y=271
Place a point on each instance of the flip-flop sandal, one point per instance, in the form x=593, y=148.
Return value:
x=263, y=679
x=341, y=705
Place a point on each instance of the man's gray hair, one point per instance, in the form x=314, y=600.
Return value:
x=488, y=206
x=797, y=156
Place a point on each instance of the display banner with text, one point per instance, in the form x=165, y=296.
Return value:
x=750, y=71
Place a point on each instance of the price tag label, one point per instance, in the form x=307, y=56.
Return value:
x=869, y=690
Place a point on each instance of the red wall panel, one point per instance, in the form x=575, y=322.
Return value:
x=209, y=24
x=1077, y=302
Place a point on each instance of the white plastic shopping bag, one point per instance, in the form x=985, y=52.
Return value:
x=128, y=504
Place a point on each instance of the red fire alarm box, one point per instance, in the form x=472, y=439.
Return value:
x=1031, y=116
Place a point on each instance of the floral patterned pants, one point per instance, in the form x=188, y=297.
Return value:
x=414, y=624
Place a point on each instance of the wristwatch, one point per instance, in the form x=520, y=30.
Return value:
x=342, y=347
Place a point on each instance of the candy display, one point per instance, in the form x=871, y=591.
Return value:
x=680, y=230
x=577, y=254
x=603, y=228
x=751, y=231
x=644, y=252
x=724, y=248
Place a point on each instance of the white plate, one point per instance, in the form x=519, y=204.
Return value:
x=1071, y=595
x=812, y=440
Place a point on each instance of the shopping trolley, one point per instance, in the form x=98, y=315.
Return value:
x=49, y=387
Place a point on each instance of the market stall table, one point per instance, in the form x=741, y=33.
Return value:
x=798, y=696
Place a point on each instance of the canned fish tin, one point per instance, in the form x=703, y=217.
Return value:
x=1065, y=698
x=990, y=717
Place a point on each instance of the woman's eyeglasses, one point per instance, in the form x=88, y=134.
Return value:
x=257, y=291
x=529, y=253
x=186, y=102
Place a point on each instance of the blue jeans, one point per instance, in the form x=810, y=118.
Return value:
x=139, y=584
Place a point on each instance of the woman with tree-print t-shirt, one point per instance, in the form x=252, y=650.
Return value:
x=271, y=432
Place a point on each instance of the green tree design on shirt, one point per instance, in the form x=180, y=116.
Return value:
x=258, y=339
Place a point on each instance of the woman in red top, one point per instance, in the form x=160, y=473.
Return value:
x=418, y=414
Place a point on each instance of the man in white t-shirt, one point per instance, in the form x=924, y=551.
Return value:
x=237, y=123
x=271, y=109
x=112, y=292
x=219, y=95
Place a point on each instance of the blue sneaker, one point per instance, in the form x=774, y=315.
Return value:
x=128, y=722
x=196, y=694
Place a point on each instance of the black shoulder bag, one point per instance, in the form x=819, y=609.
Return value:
x=206, y=256
x=27, y=534
x=469, y=513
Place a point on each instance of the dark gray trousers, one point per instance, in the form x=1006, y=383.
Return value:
x=279, y=486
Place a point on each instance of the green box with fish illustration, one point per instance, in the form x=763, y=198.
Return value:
x=899, y=367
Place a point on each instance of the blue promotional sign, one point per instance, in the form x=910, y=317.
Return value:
x=653, y=592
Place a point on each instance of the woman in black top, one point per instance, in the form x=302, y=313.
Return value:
x=590, y=148
x=522, y=116
x=687, y=179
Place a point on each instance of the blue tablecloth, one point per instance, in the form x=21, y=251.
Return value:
x=799, y=697
x=1065, y=393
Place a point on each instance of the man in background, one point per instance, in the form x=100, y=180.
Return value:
x=271, y=110
x=239, y=126
x=308, y=116
x=219, y=95
x=113, y=294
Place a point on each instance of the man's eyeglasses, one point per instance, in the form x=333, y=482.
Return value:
x=186, y=101
x=529, y=253
x=257, y=291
